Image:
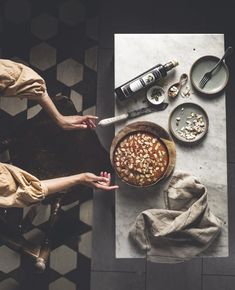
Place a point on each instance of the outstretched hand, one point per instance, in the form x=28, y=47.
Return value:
x=77, y=122
x=97, y=182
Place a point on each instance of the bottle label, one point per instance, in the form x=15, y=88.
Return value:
x=142, y=82
x=158, y=73
x=148, y=78
x=136, y=85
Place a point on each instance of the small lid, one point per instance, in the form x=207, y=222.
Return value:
x=170, y=65
x=175, y=63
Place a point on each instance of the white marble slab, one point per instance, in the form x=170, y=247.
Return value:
x=136, y=53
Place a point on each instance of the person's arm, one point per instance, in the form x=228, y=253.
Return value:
x=88, y=179
x=66, y=122
x=19, y=188
x=18, y=80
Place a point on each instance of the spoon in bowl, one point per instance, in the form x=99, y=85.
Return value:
x=174, y=89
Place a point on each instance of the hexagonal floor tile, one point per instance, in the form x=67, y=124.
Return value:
x=76, y=98
x=90, y=111
x=91, y=58
x=9, y=284
x=1, y=25
x=85, y=244
x=44, y=26
x=43, y=56
x=33, y=111
x=70, y=205
x=43, y=215
x=31, y=208
x=5, y=156
x=58, y=257
x=72, y=12
x=62, y=283
x=69, y=72
x=92, y=28
x=9, y=261
x=35, y=236
x=20, y=60
x=86, y=212
x=17, y=11
x=13, y=105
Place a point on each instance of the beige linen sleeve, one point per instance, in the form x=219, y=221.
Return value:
x=18, y=80
x=19, y=188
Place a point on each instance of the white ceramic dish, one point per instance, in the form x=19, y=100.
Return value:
x=156, y=95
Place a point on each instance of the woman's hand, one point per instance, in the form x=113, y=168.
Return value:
x=77, y=122
x=88, y=179
x=97, y=182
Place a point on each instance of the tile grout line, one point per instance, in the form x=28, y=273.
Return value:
x=123, y=272
x=219, y=275
x=146, y=262
x=105, y=48
x=202, y=276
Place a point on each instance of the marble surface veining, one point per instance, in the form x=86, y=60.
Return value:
x=136, y=53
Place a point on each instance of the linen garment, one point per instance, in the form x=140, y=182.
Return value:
x=19, y=188
x=181, y=231
x=18, y=80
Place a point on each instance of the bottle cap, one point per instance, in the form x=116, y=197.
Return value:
x=175, y=62
x=170, y=65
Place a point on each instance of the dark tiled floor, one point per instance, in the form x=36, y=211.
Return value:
x=103, y=255
x=105, y=83
x=117, y=281
x=58, y=39
x=225, y=266
x=230, y=114
x=218, y=282
x=123, y=17
x=185, y=275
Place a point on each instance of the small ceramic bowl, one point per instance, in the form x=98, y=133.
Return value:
x=156, y=95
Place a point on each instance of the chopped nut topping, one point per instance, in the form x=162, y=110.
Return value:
x=141, y=158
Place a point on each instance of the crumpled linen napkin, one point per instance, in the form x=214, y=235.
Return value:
x=184, y=229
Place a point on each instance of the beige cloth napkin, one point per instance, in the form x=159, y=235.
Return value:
x=183, y=230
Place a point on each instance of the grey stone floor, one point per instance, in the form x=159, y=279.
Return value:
x=139, y=274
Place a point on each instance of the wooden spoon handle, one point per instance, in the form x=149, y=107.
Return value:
x=183, y=79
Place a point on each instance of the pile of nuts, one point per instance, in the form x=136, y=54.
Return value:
x=173, y=91
x=193, y=126
x=140, y=158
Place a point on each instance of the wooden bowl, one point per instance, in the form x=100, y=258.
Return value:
x=157, y=131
